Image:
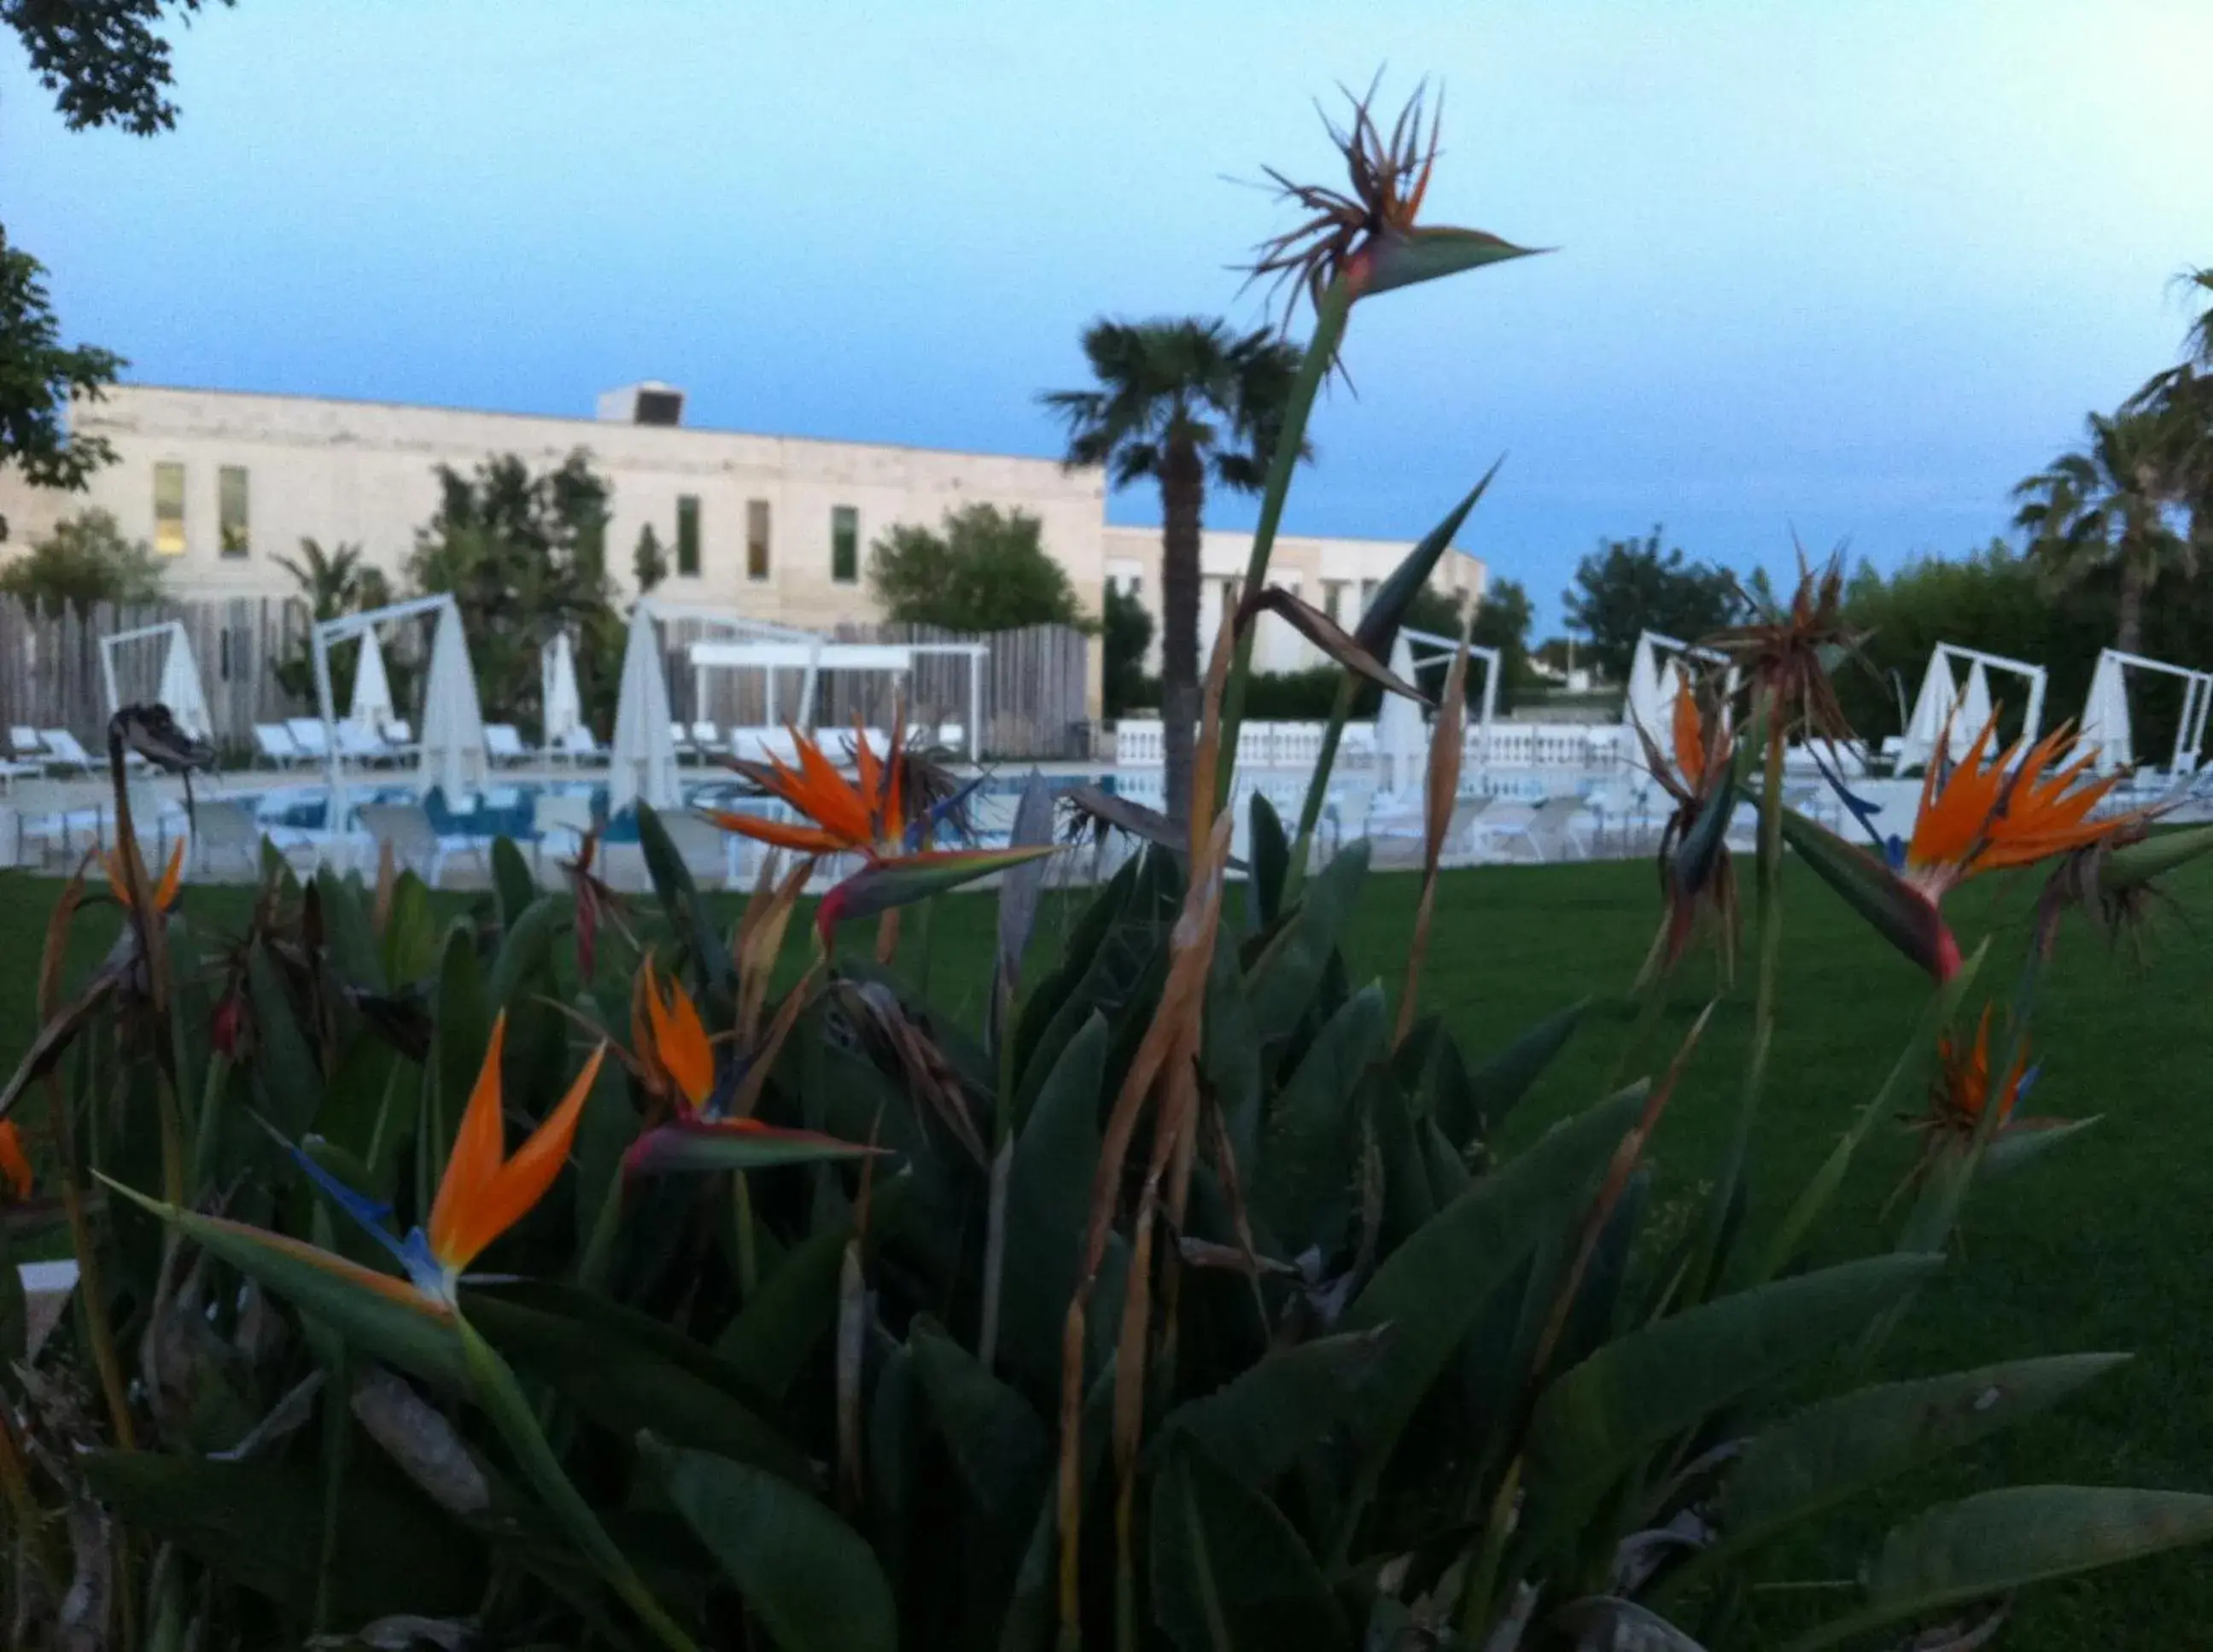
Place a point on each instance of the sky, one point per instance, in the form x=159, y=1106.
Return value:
x=1843, y=271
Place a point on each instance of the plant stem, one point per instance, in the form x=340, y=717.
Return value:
x=1331, y=315
x=1294, y=875
x=742, y=1210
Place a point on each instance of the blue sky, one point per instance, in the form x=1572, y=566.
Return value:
x=1849, y=268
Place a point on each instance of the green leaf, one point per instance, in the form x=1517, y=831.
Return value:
x=807, y=1576
x=1302, y=1186
x=352, y=943
x=1835, y=1450
x=1504, y=1079
x=680, y=898
x=287, y=1078
x=411, y=933
x=2027, y=1139
x=1001, y=1449
x=1284, y=978
x=259, y=1524
x=1659, y=1381
x=462, y=1030
x=1271, y=854
x=2133, y=865
x=1603, y=1620
x=778, y=1330
x=400, y=1332
x=1386, y=610
x=525, y=952
x=1900, y=914
x=883, y=885
x=1431, y=1288
x=682, y=1145
x=1428, y=252
x=1044, y=1005
x=511, y=881
x=1255, y=1424
x=1998, y=1541
x=1229, y=1052
x=615, y=1374
x=1048, y=1186
x=1229, y=1572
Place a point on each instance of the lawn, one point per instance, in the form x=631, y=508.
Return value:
x=2101, y=1245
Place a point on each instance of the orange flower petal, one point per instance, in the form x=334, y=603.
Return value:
x=1690, y=740
x=457, y=1226
x=808, y=840
x=14, y=1165
x=679, y=1039
x=523, y=1180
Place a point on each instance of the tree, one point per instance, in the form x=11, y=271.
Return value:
x=1631, y=586
x=1502, y=622
x=982, y=568
x=107, y=67
x=1127, y=632
x=333, y=584
x=85, y=560
x=2114, y=505
x=649, y=563
x=525, y=556
x=1175, y=402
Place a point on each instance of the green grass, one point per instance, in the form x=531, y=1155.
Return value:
x=2103, y=1244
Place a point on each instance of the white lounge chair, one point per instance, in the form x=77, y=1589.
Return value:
x=503, y=743
x=308, y=736
x=558, y=822
x=706, y=738
x=362, y=745
x=225, y=825
x=24, y=746
x=1401, y=839
x=579, y=745
x=64, y=752
x=400, y=738
x=415, y=842
x=273, y=742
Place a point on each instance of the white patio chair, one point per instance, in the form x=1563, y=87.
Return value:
x=503, y=743
x=308, y=736
x=225, y=825
x=64, y=752
x=273, y=744
x=579, y=746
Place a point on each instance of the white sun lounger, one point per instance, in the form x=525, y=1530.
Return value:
x=63, y=752
x=503, y=743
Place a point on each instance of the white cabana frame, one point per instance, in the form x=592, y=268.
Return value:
x=2189, y=730
x=1428, y=648
x=457, y=765
x=1941, y=702
x=759, y=645
x=179, y=688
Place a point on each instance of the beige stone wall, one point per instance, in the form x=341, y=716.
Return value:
x=364, y=472
x=1314, y=568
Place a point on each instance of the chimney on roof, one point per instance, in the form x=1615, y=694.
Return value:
x=648, y=403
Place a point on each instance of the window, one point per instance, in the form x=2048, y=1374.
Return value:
x=1332, y=599
x=1368, y=593
x=844, y=544
x=169, y=509
x=687, y=536
x=756, y=539
x=230, y=509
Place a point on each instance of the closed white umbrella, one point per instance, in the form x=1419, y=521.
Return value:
x=453, y=757
x=372, y=689
x=181, y=688
x=644, y=762
x=1646, y=706
x=557, y=674
x=1401, y=748
x=1973, y=715
x=2106, y=717
x=1939, y=693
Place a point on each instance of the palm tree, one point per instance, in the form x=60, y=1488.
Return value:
x=335, y=582
x=2112, y=505
x=1177, y=400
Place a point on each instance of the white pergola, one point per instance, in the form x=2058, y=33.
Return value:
x=179, y=688
x=1428, y=648
x=1942, y=704
x=757, y=645
x=2105, y=723
x=451, y=740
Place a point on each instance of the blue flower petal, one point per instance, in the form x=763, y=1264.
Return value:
x=370, y=1213
x=919, y=828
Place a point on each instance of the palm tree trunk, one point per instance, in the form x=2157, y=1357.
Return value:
x=2129, y=637
x=1183, y=495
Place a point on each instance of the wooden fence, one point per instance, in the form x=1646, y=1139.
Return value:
x=1032, y=682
